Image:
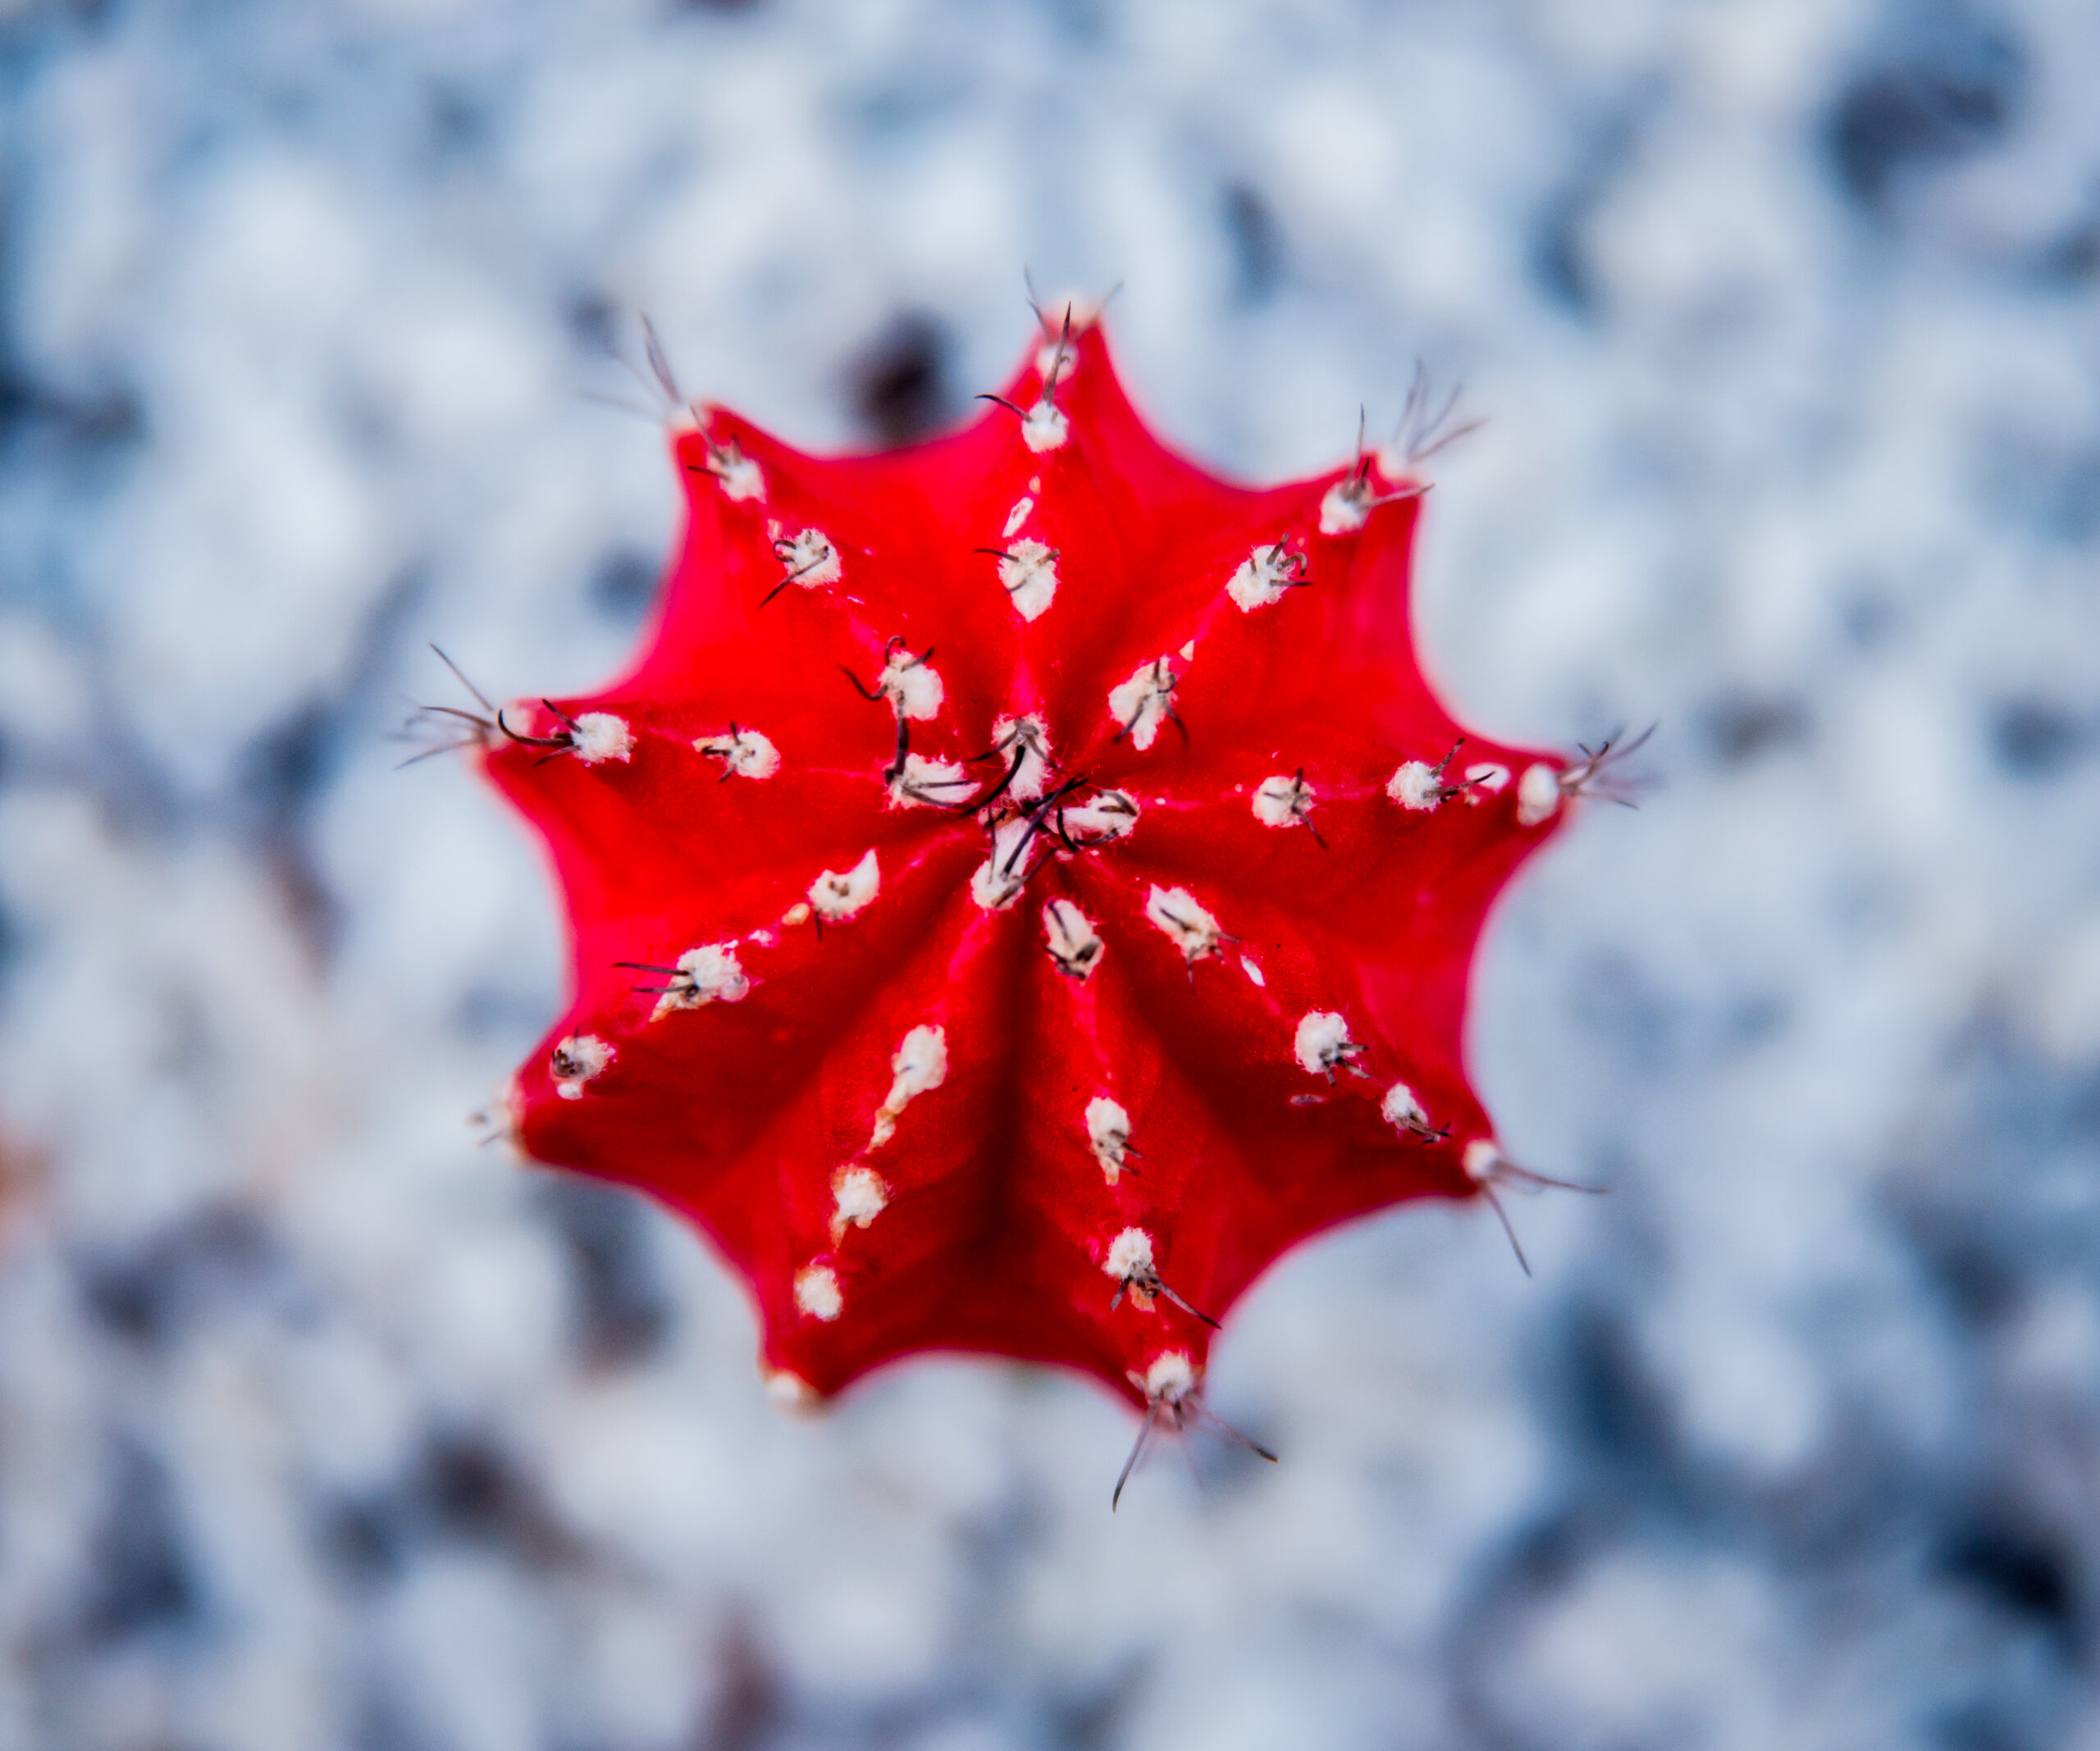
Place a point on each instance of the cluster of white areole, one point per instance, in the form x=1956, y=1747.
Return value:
x=1485, y=779
x=817, y=1291
x=575, y=1060
x=806, y=557
x=1347, y=505
x=998, y=882
x=744, y=753
x=1024, y=743
x=600, y=735
x=835, y=895
x=1129, y=1262
x=1175, y=911
x=704, y=975
x=1283, y=801
x=1418, y=785
x=1266, y=577
x=1072, y=942
x=1168, y=1379
x=1108, y=1134
x=1141, y=704
x=1539, y=792
x=858, y=1195
x=1402, y=1110
x=1107, y=815
x=737, y=474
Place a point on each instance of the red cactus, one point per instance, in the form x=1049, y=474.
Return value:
x=1025, y=885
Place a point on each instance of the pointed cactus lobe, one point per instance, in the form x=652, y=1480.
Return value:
x=1024, y=886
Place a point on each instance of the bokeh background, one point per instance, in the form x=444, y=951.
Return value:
x=320, y=1428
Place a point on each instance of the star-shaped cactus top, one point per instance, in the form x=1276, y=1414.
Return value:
x=1024, y=886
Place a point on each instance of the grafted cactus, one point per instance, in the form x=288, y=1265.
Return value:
x=1024, y=885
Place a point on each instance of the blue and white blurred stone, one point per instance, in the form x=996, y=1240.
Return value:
x=319, y=1427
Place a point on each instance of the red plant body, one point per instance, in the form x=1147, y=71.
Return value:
x=1024, y=886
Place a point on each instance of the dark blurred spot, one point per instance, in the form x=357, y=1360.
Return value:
x=458, y=121
x=593, y=320
x=750, y=1701
x=369, y=1539
x=718, y=6
x=139, y=1575
x=1982, y=1286
x=2032, y=739
x=1559, y=258
x=1613, y=995
x=2018, y=1572
x=1257, y=243
x=1869, y=620
x=145, y=1295
x=1615, y=1409
x=470, y=1489
x=1949, y=91
x=112, y=419
x=621, y=1309
x=2073, y=260
x=900, y=383
x=385, y=1720
x=1742, y=729
x=623, y=584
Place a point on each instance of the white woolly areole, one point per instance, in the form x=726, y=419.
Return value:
x=1073, y=941
x=816, y=1292
x=1139, y=704
x=836, y=896
x=1016, y=517
x=925, y=784
x=1175, y=910
x=1027, y=737
x=1108, y=814
x=739, y=476
x=1108, y=1133
x=1129, y=1256
x=1487, y=777
x=705, y=975
x=1482, y=1157
x=1417, y=784
x=860, y=1196
x=808, y=559
x=1538, y=795
x=1401, y=1108
x=1323, y=1042
x=916, y=688
x=1282, y=801
x=920, y=1064
x=1252, y=972
x=1347, y=504
x=789, y=1390
x=600, y=735
x=998, y=882
x=1044, y=428
x=1028, y=572
x=1265, y=577
x=575, y=1060
x=746, y=753
x=1170, y=1378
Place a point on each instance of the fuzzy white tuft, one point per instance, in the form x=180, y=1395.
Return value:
x=1044, y=428
x=926, y=784
x=1016, y=517
x=1252, y=972
x=705, y=975
x=1140, y=704
x=1108, y=815
x=1175, y=910
x=1028, y=572
x=1347, y=504
x=920, y=1064
x=1108, y=1133
x=1170, y=1378
x=1074, y=944
x=1266, y=577
x=600, y=735
x=1483, y=1158
x=1129, y=1256
x=575, y=1060
x=1282, y=801
x=1025, y=737
x=1485, y=780
x=807, y=558
x=1417, y=784
x=1538, y=795
x=916, y=688
x=744, y=753
x=816, y=1292
x=1402, y=1108
x=998, y=882
x=860, y=1195
x=835, y=896
x=740, y=476
x=788, y=1389
x=1323, y=1044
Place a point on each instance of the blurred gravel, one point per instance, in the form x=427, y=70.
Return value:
x=320, y=1428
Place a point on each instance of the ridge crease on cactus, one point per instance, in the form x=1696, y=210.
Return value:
x=1024, y=886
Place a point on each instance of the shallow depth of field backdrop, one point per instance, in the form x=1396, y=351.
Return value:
x=319, y=1427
